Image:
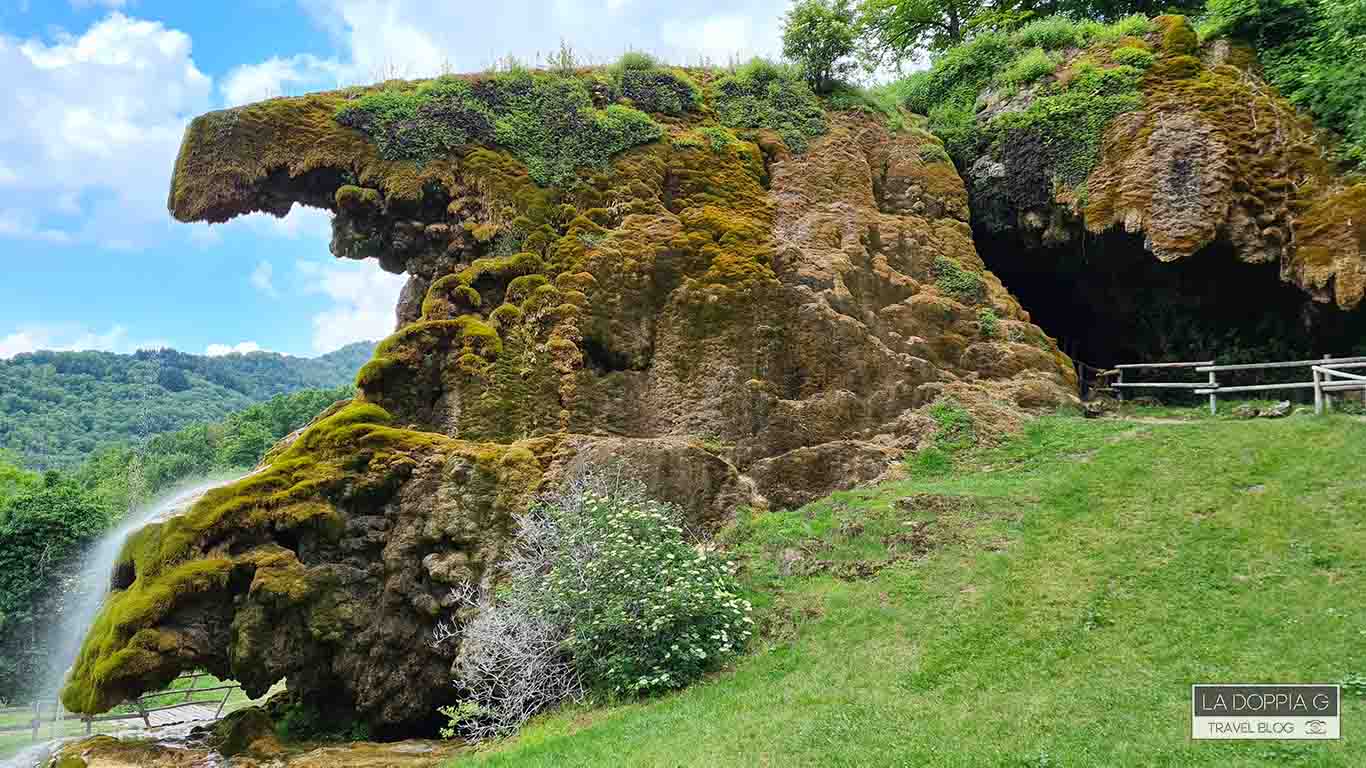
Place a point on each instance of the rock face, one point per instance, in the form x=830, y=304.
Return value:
x=738, y=322
x=1195, y=150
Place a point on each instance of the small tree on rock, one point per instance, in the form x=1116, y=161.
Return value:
x=821, y=36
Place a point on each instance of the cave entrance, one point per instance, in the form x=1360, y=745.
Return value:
x=1108, y=301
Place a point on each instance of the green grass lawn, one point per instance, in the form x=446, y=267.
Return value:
x=1044, y=603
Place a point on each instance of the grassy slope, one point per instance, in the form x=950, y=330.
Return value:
x=1098, y=569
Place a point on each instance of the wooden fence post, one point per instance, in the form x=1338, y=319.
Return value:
x=1119, y=391
x=1327, y=379
x=1318, y=392
x=37, y=718
x=1213, y=397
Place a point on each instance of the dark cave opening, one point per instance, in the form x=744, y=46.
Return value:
x=1108, y=301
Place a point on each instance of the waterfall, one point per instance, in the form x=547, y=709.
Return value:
x=91, y=583
x=87, y=588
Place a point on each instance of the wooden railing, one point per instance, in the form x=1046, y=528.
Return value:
x=52, y=716
x=1328, y=373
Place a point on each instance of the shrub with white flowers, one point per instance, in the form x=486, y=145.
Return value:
x=646, y=610
x=607, y=594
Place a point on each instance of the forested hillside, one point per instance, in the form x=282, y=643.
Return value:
x=47, y=519
x=58, y=408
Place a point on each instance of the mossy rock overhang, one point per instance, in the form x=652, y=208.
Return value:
x=1179, y=141
x=400, y=136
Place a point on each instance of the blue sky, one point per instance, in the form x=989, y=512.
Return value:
x=96, y=95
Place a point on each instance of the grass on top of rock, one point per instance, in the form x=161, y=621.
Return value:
x=547, y=120
x=1072, y=111
x=1078, y=578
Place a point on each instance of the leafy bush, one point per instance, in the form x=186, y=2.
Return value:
x=648, y=612
x=1135, y=25
x=988, y=324
x=1133, y=57
x=653, y=87
x=718, y=138
x=961, y=284
x=1050, y=33
x=959, y=74
x=947, y=92
x=603, y=592
x=762, y=94
x=636, y=61
x=550, y=124
x=1030, y=66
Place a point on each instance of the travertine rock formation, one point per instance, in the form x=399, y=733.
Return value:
x=1206, y=153
x=739, y=322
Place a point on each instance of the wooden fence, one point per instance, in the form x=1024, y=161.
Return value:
x=1329, y=375
x=185, y=705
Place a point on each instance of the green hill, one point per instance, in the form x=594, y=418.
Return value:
x=1046, y=603
x=57, y=408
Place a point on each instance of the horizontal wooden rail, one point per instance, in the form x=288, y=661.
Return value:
x=1340, y=386
x=1132, y=366
x=1208, y=390
x=1159, y=385
x=1335, y=372
x=1212, y=368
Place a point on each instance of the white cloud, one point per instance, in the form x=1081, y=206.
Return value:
x=244, y=348
x=412, y=38
x=363, y=298
x=93, y=123
x=64, y=338
x=721, y=36
x=263, y=279
x=281, y=77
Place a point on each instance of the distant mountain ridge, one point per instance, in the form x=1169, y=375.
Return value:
x=56, y=408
